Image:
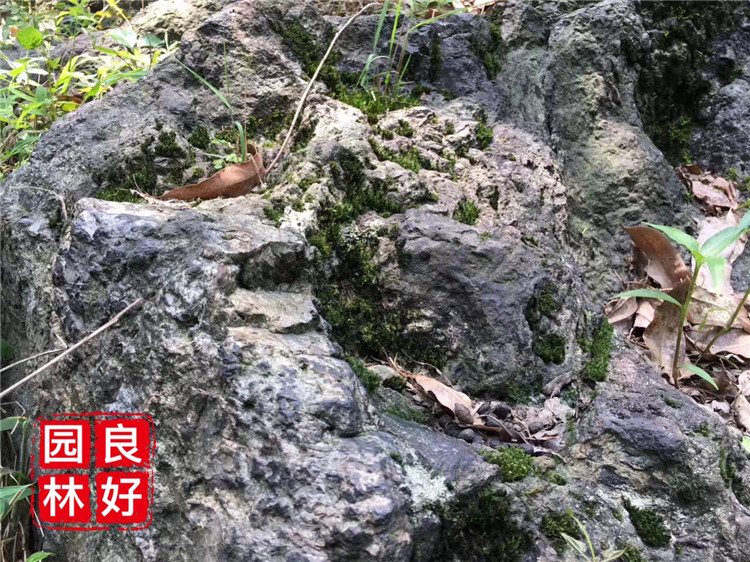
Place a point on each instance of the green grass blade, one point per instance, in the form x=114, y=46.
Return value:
x=9, y=424
x=39, y=556
x=205, y=83
x=721, y=241
x=717, y=266
x=381, y=21
x=649, y=294
x=394, y=31
x=680, y=237
x=701, y=373
x=436, y=18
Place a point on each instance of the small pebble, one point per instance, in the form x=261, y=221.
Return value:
x=444, y=420
x=501, y=410
x=492, y=421
x=453, y=429
x=485, y=409
x=467, y=435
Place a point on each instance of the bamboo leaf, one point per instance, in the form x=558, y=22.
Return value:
x=701, y=373
x=721, y=241
x=717, y=266
x=680, y=237
x=649, y=294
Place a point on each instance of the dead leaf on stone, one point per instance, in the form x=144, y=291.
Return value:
x=232, y=181
x=742, y=411
x=710, y=194
x=444, y=395
x=665, y=266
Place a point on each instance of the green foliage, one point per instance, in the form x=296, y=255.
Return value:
x=490, y=52
x=514, y=463
x=731, y=174
x=554, y=525
x=369, y=380
x=408, y=159
x=708, y=254
x=672, y=403
x=15, y=490
x=480, y=528
x=485, y=134
x=649, y=525
x=273, y=213
x=6, y=351
x=395, y=383
x=404, y=129
x=466, y=212
x=37, y=89
x=601, y=351
x=554, y=478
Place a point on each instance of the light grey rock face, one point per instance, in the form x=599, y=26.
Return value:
x=269, y=448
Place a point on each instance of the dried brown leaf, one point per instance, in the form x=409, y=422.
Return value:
x=660, y=336
x=232, y=181
x=645, y=314
x=444, y=395
x=665, y=266
x=735, y=342
x=623, y=309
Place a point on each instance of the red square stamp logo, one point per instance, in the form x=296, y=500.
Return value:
x=123, y=443
x=122, y=497
x=65, y=444
x=64, y=498
x=86, y=487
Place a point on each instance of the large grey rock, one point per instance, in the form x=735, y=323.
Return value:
x=268, y=445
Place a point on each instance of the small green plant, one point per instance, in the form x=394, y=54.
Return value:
x=514, y=463
x=15, y=491
x=466, y=211
x=707, y=254
x=585, y=550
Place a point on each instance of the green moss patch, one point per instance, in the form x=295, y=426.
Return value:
x=200, y=138
x=601, y=352
x=550, y=348
x=554, y=524
x=409, y=159
x=485, y=135
x=369, y=380
x=480, y=528
x=514, y=463
x=649, y=525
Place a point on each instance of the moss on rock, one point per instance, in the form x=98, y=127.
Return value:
x=480, y=528
x=555, y=524
x=514, y=463
x=649, y=525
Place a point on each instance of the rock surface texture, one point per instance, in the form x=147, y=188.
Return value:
x=475, y=230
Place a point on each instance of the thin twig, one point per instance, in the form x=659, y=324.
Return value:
x=30, y=358
x=72, y=348
x=309, y=86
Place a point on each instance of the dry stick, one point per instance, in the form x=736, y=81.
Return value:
x=728, y=325
x=309, y=86
x=30, y=358
x=72, y=348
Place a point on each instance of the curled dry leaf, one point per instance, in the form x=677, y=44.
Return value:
x=232, y=181
x=444, y=395
x=665, y=266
